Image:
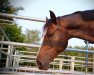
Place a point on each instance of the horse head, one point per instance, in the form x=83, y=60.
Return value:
x=55, y=40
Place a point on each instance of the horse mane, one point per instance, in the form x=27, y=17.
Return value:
x=87, y=15
x=47, y=24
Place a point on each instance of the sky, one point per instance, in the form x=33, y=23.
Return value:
x=40, y=9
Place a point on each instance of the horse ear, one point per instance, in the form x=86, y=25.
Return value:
x=53, y=17
x=46, y=19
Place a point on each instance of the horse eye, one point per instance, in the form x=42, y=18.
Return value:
x=49, y=35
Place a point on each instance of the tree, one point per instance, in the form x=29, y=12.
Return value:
x=12, y=30
x=14, y=33
x=32, y=36
x=6, y=7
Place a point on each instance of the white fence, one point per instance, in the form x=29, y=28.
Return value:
x=15, y=61
x=21, y=17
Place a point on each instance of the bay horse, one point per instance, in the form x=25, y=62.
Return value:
x=58, y=30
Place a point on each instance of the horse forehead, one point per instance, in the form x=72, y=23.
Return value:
x=44, y=32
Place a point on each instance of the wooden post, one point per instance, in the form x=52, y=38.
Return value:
x=72, y=63
x=60, y=65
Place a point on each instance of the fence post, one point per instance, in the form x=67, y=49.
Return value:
x=14, y=60
x=17, y=59
x=60, y=65
x=1, y=46
x=9, y=57
x=72, y=63
x=86, y=64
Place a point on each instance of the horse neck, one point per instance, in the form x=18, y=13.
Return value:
x=78, y=28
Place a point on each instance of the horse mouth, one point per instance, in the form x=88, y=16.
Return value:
x=42, y=67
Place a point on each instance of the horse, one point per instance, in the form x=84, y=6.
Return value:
x=58, y=30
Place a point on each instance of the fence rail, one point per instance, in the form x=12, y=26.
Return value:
x=34, y=45
x=21, y=17
x=59, y=61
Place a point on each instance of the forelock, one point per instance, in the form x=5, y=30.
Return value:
x=47, y=24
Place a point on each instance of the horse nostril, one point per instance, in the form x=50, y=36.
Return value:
x=39, y=63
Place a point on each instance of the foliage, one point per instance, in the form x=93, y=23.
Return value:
x=32, y=36
x=14, y=33
x=12, y=30
x=6, y=7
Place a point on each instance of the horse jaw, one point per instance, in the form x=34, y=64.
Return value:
x=44, y=57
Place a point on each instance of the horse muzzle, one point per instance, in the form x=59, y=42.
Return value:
x=42, y=66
